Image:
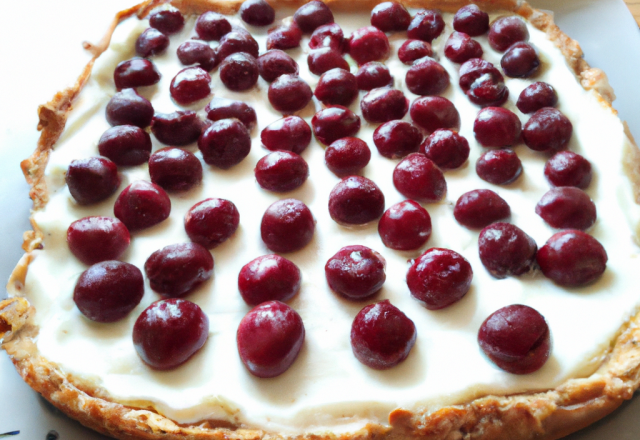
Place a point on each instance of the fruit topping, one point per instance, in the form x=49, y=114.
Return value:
x=537, y=96
x=96, y=239
x=257, y=13
x=505, y=249
x=312, y=15
x=567, y=168
x=333, y=123
x=281, y=171
x=460, y=47
x=427, y=77
x=567, y=207
x=355, y=200
x=499, y=167
x=289, y=93
x=412, y=50
x=372, y=75
x=324, y=59
x=212, y=26
x=268, y=278
x=178, y=269
x=483, y=83
x=178, y=128
x=136, y=72
x=175, y=169
x=390, y=17
x=337, y=87
x=497, y=127
x=211, y=222
x=190, y=85
x=126, y=107
x=479, y=208
x=434, y=112
x=520, y=61
x=426, y=25
x=471, y=20
x=447, y=148
x=329, y=35
x=274, y=63
x=419, y=178
x=239, y=71
x=547, y=130
x=505, y=31
x=396, y=139
x=125, y=145
x=285, y=36
x=225, y=143
x=355, y=272
x=291, y=134
x=384, y=104
x=151, y=42
x=287, y=226
x=236, y=42
x=405, y=226
x=347, y=156
x=92, y=180
x=368, y=44
x=141, y=205
x=223, y=108
x=168, y=21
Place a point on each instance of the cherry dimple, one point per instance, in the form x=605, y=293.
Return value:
x=434, y=112
x=178, y=269
x=125, y=145
x=419, y=178
x=337, y=87
x=225, y=143
x=396, y=139
x=505, y=250
x=136, y=72
x=567, y=168
x=289, y=93
x=274, y=63
x=141, y=205
x=479, y=208
x=281, y=171
x=333, y=123
x=426, y=25
x=405, y=226
x=268, y=278
x=126, y=107
x=239, y=71
x=92, y=180
x=446, y=148
x=412, y=50
x=355, y=272
x=567, y=208
x=373, y=75
x=291, y=134
x=499, y=167
x=384, y=104
x=179, y=128
x=427, y=77
x=223, y=108
x=175, y=169
x=390, y=17
x=355, y=200
x=347, y=156
x=151, y=42
x=95, y=239
x=287, y=226
x=211, y=222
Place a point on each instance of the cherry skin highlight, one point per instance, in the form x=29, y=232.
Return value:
x=142, y=205
x=471, y=20
x=567, y=208
x=281, y=171
x=190, y=85
x=286, y=36
x=483, y=83
x=567, y=168
x=95, y=239
x=547, y=130
x=325, y=59
x=92, y=180
x=268, y=278
x=426, y=25
x=312, y=15
x=520, y=61
x=419, y=178
x=291, y=134
x=506, y=31
x=151, y=42
x=505, y=250
x=287, y=226
x=328, y=35
x=211, y=222
x=405, y=226
x=499, y=167
x=412, y=50
x=355, y=200
x=390, y=17
x=355, y=272
x=479, y=208
x=222, y=108
x=136, y=72
x=460, y=48
x=368, y=44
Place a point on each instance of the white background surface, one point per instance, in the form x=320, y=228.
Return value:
x=41, y=53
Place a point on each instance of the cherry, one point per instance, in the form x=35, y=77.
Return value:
x=125, y=145
x=446, y=148
x=426, y=25
x=108, y=291
x=328, y=35
x=169, y=332
x=483, y=83
x=390, y=17
x=567, y=208
x=547, y=130
x=507, y=30
x=355, y=272
x=355, y=200
x=312, y=15
x=257, y=13
x=347, y=156
x=225, y=143
x=427, y=77
x=178, y=269
x=287, y=226
x=211, y=222
x=190, y=85
x=274, y=63
x=412, y=50
x=368, y=44
x=479, y=208
x=520, y=61
x=418, y=178
x=178, y=128
x=212, y=26
x=289, y=93
x=567, y=168
x=151, y=42
x=460, y=48
x=382, y=336
x=434, y=112
x=223, y=108
x=572, y=258
x=286, y=36
x=337, y=87
x=324, y=59
x=372, y=75
x=333, y=123
x=291, y=134
x=175, y=169
x=236, y=42
x=516, y=338
x=499, y=167
x=269, y=338
x=497, y=127
x=126, y=107
x=96, y=239
x=281, y=171
x=196, y=52
x=405, y=226
x=168, y=21
x=136, y=72
x=141, y=205
x=239, y=71
x=384, y=104
x=92, y=180
x=268, y=278
x=471, y=20
x=537, y=96
x=396, y=139
x=439, y=278
x=505, y=249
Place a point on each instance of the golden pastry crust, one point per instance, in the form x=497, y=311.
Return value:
x=546, y=415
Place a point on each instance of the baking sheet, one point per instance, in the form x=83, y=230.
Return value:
x=42, y=53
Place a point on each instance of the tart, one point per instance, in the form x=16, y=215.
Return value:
x=484, y=414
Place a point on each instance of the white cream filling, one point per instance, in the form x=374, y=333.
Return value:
x=327, y=388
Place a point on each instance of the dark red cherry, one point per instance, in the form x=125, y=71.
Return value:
x=405, y=226
x=96, y=239
x=223, y=108
x=190, y=85
x=426, y=25
x=567, y=168
x=567, y=207
x=427, y=77
x=396, y=139
x=196, y=52
x=312, y=15
x=212, y=26
x=434, y=112
x=141, y=205
x=499, y=167
x=412, y=50
x=125, y=145
x=505, y=249
x=274, y=63
x=373, y=75
x=324, y=59
x=537, y=96
x=419, y=178
x=281, y=171
x=239, y=71
x=92, y=180
x=175, y=169
x=328, y=35
x=169, y=332
x=287, y=226
x=497, y=127
x=572, y=258
x=178, y=128
x=168, y=21
x=479, y=208
x=333, y=123
x=368, y=44
x=446, y=148
x=178, y=269
x=347, y=156
x=439, y=278
x=211, y=222
x=108, y=291
x=257, y=13
x=289, y=93
x=507, y=30
x=355, y=200
x=547, y=130
x=236, y=42
x=269, y=338
x=516, y=338
x=460, y=48
x=151, y=42
x=390, y=17
x=382, y=336
x=471, y=20
x=483, y=83
x=126, y=107
x=268, y=278
x=355, y=272
x=285, y=36
x=384, y=104
x=337, y=87
x=136, y=72
x=225, y=143
x=291, y=134
x=520, y=61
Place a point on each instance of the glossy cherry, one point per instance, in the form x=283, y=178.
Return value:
x=285, y=36
x=212, y=26
x=347, y=156
x=333, y=123
x=506, y=31
x=141, y=205
x=446, y=148
x=412, y=50
x=434, y=112
x=328, y=35
x=547, y=130
x=384, y=104
x=324, y=59
x=211, y=222
x=499, y=167
x=291, y=134
x=419, y=178
x=268, y=278
x=289, y=93
x=223, y=108
x=355, y=272
x=505, y=250
x=373, y=75
x=126, y=107
x=520, y=61
x=312, y=15
x=355, y=200
x=483, y=83
x=460, y=48
x=396, y=139
x=178, y=128
x=274, y=63
x=537, y=96
x=390, y=17
x=479, y=208
x=257, y=13
x=236, y=42
x=427, y=77
x=95, y=239
x=239, y=71
x=567, y=208
x=368, y=44
x=92, y=180
x=178, y=269
x=225, y=143
x=567, y=168
x=337, y=87
x=168, y=21
x=287, y=226
x=151, y=42
x=471, y=20
x=281, y=171
x=190, y=85
x=175, y=169
x=405, y=226
x=497, y=127
x=426, y=25
x=125, y=145
x=136, y=72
